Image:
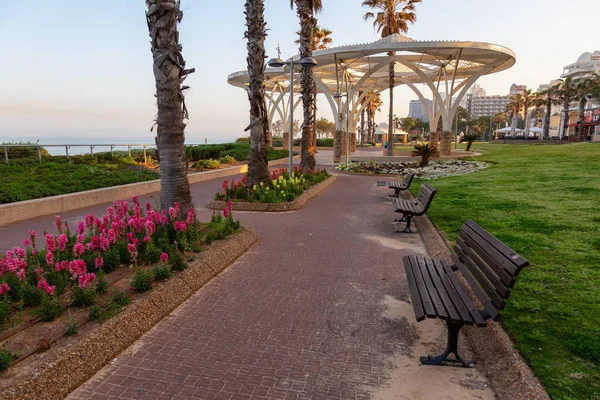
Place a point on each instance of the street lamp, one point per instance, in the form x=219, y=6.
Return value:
x=278, y=63
x=338, y=95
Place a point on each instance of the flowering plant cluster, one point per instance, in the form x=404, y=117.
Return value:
x=435, y=169
x=129, y=233
x=282, y=187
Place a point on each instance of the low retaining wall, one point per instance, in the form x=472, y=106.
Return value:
x=297, y=204
x=63, y=369
x=24, y=210
x=503, y=365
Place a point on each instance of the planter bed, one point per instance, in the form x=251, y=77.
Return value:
x=435, y=169
x=296, y=204
x=53, y=364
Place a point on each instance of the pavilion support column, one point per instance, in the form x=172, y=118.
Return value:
x=337, y=146
x=270, y=138
x=405, y=139
x=286, y=140
x=446, y=143
x=352, y=142
x=434, y=138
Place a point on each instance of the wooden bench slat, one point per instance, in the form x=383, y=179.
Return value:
x=412, y=286
x=473, y=311
x=452, y=293
x=507, y=279
x=499, y=287
x=423, y=292
x=437, y=282
x=496, y=255
x=519, y=261
x=433, y=293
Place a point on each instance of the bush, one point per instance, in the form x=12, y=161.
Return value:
x=4, y=311
x=426, y=152
x=162, y=273
x=72, y=327
x=151, y=253
x=176, y=260
x=227, y=160
x=142, y=281
x=243, y=140
x=32, y=297
x=95, y=313
x=101, y=283
x=328, y=142
x=6, y=358
x=119, y=299
x=207, y=164
x=83, y=297
x=50, y=308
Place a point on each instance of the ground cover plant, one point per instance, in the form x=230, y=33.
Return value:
x=238, y=151
x=433, y=169
x=542, y=201
x=281, y=187
x=52, y=272
x=60, y=175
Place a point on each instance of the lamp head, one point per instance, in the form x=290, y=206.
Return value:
x=275, y=62
x=308, y=62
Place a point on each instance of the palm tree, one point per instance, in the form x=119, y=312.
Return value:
x=392, y=17
x=565, y=92
x=514, y=108
x=306, y=10
x=583, y=89
x=499, y=118
x=373, y=106
x=527, y=98
x=258, y=161
x=162, y=17
x=538, y=100
x=320, y=38
x=550, y=99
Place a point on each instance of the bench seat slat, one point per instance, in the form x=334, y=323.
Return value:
x=423, y=292
x=452, y=293
x=437, y=282
x=414, y=292
x=473, y=311
x=433, y=293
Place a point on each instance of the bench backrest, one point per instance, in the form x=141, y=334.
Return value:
x=425, y=196
x=488, y=265
x=407, y=180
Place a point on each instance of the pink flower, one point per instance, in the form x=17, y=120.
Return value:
x=62, y=242
x=43, y=285
x=150, y=228
x=230, y=205
x=191, y=215
x=21, y=274
x=32, y=235
x=148, y=207
x=77, y=268
x=38, y=272
x=50, y=243
x=164, y=257
x=22, y=253
x=112, y=236
x=172, y=213
x=180, y=226
x=99, y=262
x=62, y=266
x=78, y=249
x=4, y=288
x=80, y=228
x=104, y=243
x=80, y=238
x=226, y=212
x=147, y=239
x=135, y=200
x=132, y=248
x=95, y=241
x=58, y=223
x=86, y=280
x=89, y=221
x=49, y=258
x=26, y=242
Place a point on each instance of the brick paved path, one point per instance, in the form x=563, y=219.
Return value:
x=316, y=310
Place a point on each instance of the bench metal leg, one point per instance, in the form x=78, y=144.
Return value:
x=442, y=359
x=401, y=219
x=407, y=229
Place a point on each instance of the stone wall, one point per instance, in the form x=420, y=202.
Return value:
x=337, y=146
x=434, y=137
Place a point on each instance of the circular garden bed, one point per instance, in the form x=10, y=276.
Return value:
x=435, y=169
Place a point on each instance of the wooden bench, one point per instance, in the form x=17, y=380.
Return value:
x=489, y=268
x=416, y=207
x=398, y=187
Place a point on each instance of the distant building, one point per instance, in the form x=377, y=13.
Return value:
x=478, y=91
x=417, y=110
x=586, y=64
x=517, y=89
x=485, y=106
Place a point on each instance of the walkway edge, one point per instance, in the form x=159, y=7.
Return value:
x=24, y=210
x=510, y=376
x=297, y=204
x=64, y=369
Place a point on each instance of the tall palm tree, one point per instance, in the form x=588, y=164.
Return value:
x=514, y=108
x=258, y=161
x=527, y=98
x=583, y=89
x=565, y=92
x=162, y=17
x=392, y=17
x=373, y=106
x=550, y=99
x=306, y=10
x=538, y=100
x=499, y=119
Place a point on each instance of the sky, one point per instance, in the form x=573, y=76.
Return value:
x=82, y=70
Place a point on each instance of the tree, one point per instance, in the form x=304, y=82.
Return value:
x=550, y=95
x=538, y=101
x=565, y=92
x=499, y=119
x=392, y=17
x=320, y=38
x=584, y=88
x=426, y=152
x=373, y=106
x=527, y=98
x=258, y=160
x=277, y=128
x=325, y=127
x=461, y=116
x=477, y=126
x=162, y=17
x=407, y=124
x=306, y=10
x=514, y=108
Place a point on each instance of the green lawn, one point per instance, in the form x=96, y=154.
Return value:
x=544, y=202
x=58, y=175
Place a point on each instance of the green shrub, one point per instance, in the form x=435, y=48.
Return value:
x=95, y=314
x=6, y=358
x=32, y=297
x=50, y=308
x=151, y=253
x=227, y=160
x=83, y=297
x=142, y=281
x=101, y=283
x=176, y=260
x=245, y=139
x=162, y=273
x=112, y=260
x=207, y=164
x=426, y=152
x=4, y=311
x=59, y=279
x=328, y=142
x=72, y=327
x=119, y=299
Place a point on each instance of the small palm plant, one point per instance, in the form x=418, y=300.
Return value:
x=426, y=152
x=470, y=138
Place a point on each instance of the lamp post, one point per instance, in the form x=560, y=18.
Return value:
x=278, y=63
x=339, y=96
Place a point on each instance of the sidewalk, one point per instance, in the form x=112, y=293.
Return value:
x=318, y=309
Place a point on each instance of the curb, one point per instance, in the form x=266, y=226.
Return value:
x=297, y=204
x=509, y=374
x=24, y=210
x=63, y=370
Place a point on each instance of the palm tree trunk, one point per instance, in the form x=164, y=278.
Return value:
x=362, y=127
x=582, y=104
x=392, y=76
x=547, y=119
x=258, y=162
x=307, y=22
x=566, y=104
x=169, y=73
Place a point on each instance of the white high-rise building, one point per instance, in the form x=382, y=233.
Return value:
x=417, y=110
x=586, y=65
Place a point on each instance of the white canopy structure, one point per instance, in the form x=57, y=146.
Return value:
x=362, y=70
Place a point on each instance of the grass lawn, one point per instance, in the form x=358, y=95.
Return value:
x=544, y=202
x=59, y=176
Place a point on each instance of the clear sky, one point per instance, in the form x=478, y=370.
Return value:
x=82, y=69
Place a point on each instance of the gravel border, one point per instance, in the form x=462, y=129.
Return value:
x=509, y=374
x=297, y=204
x=63, y=369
